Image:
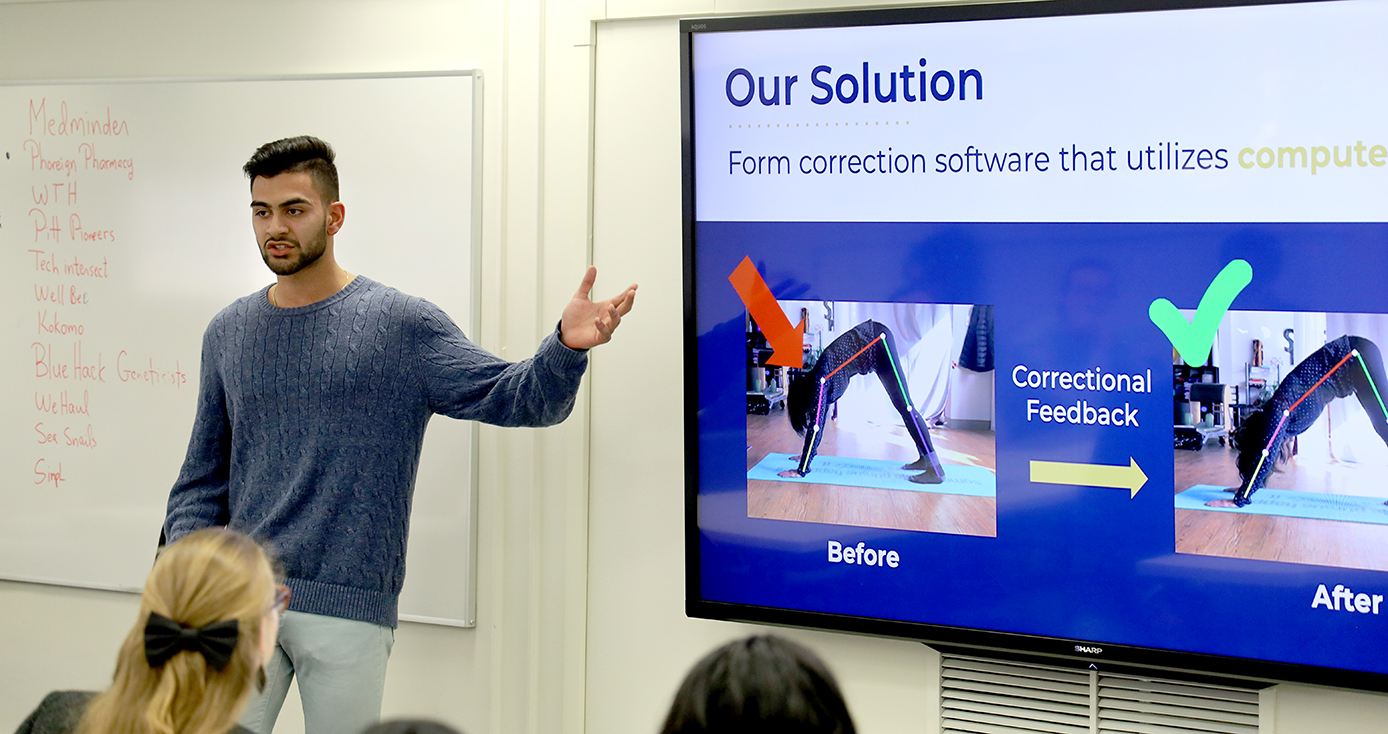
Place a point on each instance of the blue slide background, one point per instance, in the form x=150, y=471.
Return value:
x=1070, y=562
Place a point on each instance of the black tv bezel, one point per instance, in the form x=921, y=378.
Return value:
x=1104, y=656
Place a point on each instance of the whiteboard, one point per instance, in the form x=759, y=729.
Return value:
x=124, y=227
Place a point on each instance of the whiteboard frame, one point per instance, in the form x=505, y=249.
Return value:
x=474, y=318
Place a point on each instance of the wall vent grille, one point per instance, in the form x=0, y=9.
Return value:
x=981, y=696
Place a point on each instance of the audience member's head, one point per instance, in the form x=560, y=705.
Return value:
x=206, y=627
x=411, y=726
x=760, y=684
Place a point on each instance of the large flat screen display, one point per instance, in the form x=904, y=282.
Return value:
x=1050, y=327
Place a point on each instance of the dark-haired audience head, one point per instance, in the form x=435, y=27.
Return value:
x=410, y=726
x=761, y=684
x=302, y=154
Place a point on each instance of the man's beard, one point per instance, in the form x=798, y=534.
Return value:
x=307, y=252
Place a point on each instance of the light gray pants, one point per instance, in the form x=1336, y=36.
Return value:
x=341, y=666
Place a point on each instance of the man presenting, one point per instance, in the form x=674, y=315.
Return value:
x=314, y=396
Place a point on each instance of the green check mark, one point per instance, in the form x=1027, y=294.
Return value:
x=1194, y=338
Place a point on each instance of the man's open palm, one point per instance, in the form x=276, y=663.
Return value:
x=587, y=323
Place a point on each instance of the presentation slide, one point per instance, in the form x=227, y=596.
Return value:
x=1068, y=327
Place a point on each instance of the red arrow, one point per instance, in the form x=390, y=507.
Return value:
x=786, y=341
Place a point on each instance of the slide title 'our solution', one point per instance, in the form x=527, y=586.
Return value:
x=917, y=84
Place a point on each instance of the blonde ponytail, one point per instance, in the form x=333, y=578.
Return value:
x=210, y=576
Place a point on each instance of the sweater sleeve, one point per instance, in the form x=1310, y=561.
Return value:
x=464, y=381
x=199, y=496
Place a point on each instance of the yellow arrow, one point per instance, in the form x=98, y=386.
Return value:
x=1128, y=477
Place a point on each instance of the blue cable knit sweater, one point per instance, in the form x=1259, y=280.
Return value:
x=309, y=427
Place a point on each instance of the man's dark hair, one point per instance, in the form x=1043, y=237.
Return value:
x=302, y=154
x=761, y=684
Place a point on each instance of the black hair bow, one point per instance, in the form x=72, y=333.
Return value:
x=165, y=638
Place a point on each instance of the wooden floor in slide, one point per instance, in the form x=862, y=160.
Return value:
x=867, y=507
x=1272, y=538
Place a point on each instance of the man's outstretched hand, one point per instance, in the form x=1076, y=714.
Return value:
x=587, y=323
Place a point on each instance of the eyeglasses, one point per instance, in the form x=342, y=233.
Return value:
x=281, y=598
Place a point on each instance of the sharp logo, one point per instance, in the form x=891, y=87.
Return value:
x=1088, y=650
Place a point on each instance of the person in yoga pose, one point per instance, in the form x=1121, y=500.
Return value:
x=866, y=349
x=1350, y=365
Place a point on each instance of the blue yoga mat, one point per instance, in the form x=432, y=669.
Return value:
x=1286, y=503
x=973, y=481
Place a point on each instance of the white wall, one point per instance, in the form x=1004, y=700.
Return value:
x=521, y=669
x=581, y=623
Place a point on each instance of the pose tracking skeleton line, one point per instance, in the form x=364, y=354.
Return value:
x=868, y=348
x=1350, y=365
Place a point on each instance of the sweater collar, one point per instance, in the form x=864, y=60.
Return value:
x=358, y=283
